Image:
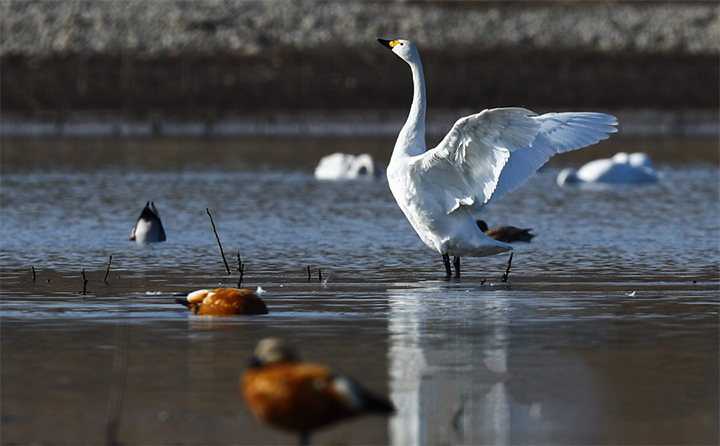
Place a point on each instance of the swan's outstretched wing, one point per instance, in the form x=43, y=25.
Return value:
x=558, y=133
x=486, y=155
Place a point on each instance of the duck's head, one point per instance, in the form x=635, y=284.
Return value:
x=271, y=351
x=404, y=49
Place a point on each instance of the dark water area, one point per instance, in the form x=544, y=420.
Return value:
x=606, y=332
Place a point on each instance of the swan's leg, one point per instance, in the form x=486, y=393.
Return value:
x=456, y=264
x=446, y=262
x=504, y=277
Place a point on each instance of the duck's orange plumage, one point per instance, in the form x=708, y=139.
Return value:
x=301, y=397
x=224, y=302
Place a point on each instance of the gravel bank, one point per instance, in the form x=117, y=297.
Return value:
x=46, y=28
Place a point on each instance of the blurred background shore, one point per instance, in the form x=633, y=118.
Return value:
x=290, y=67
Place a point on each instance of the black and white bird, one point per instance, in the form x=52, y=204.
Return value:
x=148, y=228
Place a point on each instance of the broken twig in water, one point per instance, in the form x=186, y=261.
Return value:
x=241, y=269
x=309, y=273
x=504, y=277
x=33, y=272
x=85, y=282
x=107, y=271
x=227, y=268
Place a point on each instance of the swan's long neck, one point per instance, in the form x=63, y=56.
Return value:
x=411, y=141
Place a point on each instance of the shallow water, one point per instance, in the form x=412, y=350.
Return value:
x=607, y=331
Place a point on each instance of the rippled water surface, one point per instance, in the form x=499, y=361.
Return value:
x=607, y=331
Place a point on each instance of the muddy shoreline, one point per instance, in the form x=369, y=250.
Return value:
x=200, y=86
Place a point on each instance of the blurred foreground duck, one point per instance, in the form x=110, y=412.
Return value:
x=224, y=302
x=301, y=397
x=482, y=158
x=340, y=166
x=148, y=228
x=507, y=234
x=635, y=168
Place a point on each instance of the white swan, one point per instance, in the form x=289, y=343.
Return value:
x=622, y=168
x=483, y=157
x=340, y=166
x=148, y=228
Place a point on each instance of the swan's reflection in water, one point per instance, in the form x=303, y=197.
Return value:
x=449, y=370
x=407, y=364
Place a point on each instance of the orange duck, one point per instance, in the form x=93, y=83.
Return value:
x=302, y=397
x=224, y=302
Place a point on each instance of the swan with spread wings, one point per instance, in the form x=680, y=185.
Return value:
x=482, y=158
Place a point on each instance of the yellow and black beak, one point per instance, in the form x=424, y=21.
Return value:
x=387, y=43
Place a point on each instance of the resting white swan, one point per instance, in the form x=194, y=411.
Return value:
x=622, y=168
x=340, y=166
x=148, y=228
x=483, y=157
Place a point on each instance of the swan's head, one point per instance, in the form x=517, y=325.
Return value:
x=567, y=176
x=641, y=159
x=621, y=158
x=404, y=49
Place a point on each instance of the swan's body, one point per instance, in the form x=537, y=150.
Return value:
x=340, y=166
x=622, y=168
x=483, y=157
x=148, y=228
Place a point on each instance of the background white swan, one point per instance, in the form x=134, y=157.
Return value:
x=483, y=157
x=148, y=228
x=620, y=169
x=341, y=166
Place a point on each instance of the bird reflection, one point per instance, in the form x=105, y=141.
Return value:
x=451, y=391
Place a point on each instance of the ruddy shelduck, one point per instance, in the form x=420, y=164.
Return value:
x=301, y=397
x=224, y=302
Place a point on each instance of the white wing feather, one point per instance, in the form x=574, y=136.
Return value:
x=469, y=160
x=557, y=133
x=486, y=155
